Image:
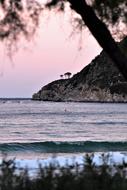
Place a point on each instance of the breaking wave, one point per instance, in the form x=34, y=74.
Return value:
x=64, y=147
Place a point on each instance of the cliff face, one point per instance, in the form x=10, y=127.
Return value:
x=99, y=81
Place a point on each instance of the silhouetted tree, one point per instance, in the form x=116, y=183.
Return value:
x=67, y=74
x=110, y=11
x=21, y=17
x=61, y=76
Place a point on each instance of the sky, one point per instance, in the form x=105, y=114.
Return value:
x=52, y=52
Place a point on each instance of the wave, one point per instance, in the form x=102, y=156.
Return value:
x=64, y=147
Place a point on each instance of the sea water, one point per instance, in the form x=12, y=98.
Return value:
x=31, y=130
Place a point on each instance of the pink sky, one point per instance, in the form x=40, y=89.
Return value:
x=50, y=54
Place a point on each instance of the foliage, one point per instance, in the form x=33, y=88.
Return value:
x=67, y=74
x=20, y=18
x=70, y=177
x=112, y=12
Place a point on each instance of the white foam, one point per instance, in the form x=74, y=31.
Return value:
x=113, y=158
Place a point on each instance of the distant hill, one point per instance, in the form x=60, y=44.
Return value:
x=99, y=81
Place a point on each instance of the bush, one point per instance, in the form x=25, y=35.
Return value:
x=55, y=177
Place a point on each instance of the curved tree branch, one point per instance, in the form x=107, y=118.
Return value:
x=101, y=34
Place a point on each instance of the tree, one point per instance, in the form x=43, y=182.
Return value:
x=67, y=74
x=61, y=76
x=21, y=17
x=98, y=28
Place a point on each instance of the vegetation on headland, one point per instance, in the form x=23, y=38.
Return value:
x=55, y=177
x=100, y=81
x=66, y=75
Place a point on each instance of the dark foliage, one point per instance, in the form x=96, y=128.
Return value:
x=18, y=19
x=21, y=17
x=75, y=177
x=112, y=12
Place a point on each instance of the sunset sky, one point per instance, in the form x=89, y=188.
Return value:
x=51, y=53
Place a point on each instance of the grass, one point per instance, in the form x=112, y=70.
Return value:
x=75, y=177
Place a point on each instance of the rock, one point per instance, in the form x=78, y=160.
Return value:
x=100, y=81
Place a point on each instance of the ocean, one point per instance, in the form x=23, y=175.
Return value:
x=32, y=130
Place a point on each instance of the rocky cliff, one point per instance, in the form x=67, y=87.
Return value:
x=99, y=81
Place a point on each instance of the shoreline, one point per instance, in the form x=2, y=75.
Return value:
x=33, y=161
x=103, y=102
x=69, y=101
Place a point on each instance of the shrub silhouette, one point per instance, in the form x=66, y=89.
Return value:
x=70, y=177
x=68, y=75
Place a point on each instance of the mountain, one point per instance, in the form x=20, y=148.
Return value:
x=99, y=81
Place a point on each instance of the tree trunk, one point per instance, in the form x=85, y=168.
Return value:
x=101, y=34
